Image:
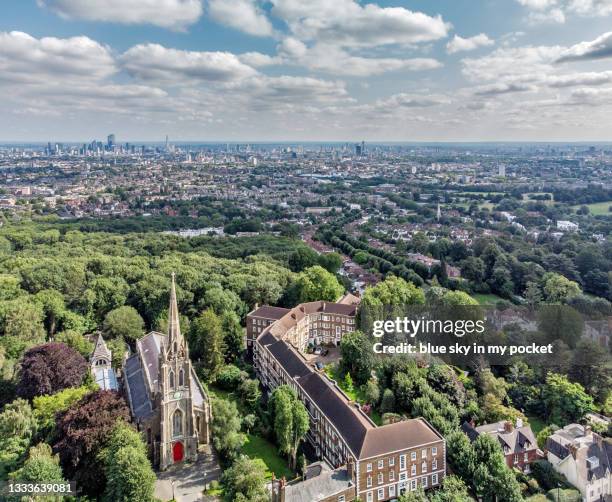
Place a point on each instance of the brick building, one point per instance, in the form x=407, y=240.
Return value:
x=381, y=462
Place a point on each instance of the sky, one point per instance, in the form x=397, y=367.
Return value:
x=306, y=70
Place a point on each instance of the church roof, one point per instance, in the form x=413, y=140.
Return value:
x=140, y=403
x=101, y=349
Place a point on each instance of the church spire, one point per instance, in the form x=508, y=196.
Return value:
x=174, y=327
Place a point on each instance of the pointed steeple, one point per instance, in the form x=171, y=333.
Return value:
x=174, y=327
x=101, y=350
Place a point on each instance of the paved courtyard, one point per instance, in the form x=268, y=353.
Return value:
x=189, y=479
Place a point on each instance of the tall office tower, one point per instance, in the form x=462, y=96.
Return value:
x=362, y=147
x=358, y=150
x=502, y=170
x=110, y=141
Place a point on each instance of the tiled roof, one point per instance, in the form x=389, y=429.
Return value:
x=398, y=436
x=137, y=391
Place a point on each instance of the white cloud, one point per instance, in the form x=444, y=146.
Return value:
x=600, y=48
x=556, y=11
x=26, y=59
x=349, y=24
x=503, y=88
x=243, y=15
x=330, y=58
x=258, y=59
x=174, y=14
x=458, y=44
x=158, y=63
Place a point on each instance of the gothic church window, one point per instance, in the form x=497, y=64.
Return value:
x=177, y=423
x=171, y=379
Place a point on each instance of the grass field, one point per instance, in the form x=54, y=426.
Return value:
x=598, y=208
x=258, y=447
x=547, y=202
x=486, y=299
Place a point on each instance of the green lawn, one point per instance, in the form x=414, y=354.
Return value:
x=258, y=447
x=486, y=299
x=598, y=208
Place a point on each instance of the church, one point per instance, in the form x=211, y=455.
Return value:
x=167, y=401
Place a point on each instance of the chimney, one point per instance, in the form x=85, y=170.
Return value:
x=350, y=469
x=508, y=426
x=281, y=489
x=324, y=306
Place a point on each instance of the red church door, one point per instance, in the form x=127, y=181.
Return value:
x=177, y=451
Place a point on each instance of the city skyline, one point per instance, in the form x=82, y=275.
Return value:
x=280, y=71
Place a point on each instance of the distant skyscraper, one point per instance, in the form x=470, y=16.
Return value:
x=502, y=170
x=110, y=141
x=358, y=150
x=362, y=147
x=439, y=213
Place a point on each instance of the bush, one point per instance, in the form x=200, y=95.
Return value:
x=566, y=495
x=230, y=377
x=546, y=476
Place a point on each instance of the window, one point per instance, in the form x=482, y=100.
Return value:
x=391, y=475
x=171, y=379
x=381, y=478
x=381, y=493
x=369, y=467
x=369, y=481
x=434, y=479
x=526, y=457
x=177, y=423
x=392, y=461
x=370, y=497
x=424, y=453
x=181, y=378
x=516, y=459
x=413, y=456
x=392, y=491
x=413, y=470
x=434, y=451
x=341, y=498
x=381, y=464
x=434, y=464
x=424, y=467
x=424, y=481
x=402, y=462
x=413, y=484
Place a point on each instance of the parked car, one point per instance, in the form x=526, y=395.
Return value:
x=319, y=365
x=318, y=351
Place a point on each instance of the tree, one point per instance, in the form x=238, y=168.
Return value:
x=315, y=283
x=565, y=401
x=560, y=322
x=49, y=368
x=393, y=291
x=460, y=454
x=77, y=341
x=123, y=322
x=290, y=421
x=41, y=466
x=82, y=430
x=226, y=434
x=558, y=289
x=206, y=344
x=330, y=262
x=47, y=407
x=591, y=368
x=250, y=393
x=453, y=490
x=245, y=481
x=233, y=336
x=302, y=258
x=533, y=294
x=357, y=356
x=128, y=470
x=21, y=324
x=17, y=428
x=348, y=382
x=387, y=404
x=417, y=495
x=372, y=392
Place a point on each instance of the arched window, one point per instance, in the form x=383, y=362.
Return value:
x=177, y=423
x=181, y=378
x=171, y=379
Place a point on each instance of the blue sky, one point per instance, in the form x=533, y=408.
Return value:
x=251, y=70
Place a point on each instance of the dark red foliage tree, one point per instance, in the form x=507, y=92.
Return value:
x=81, y=433
x=49, y=368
